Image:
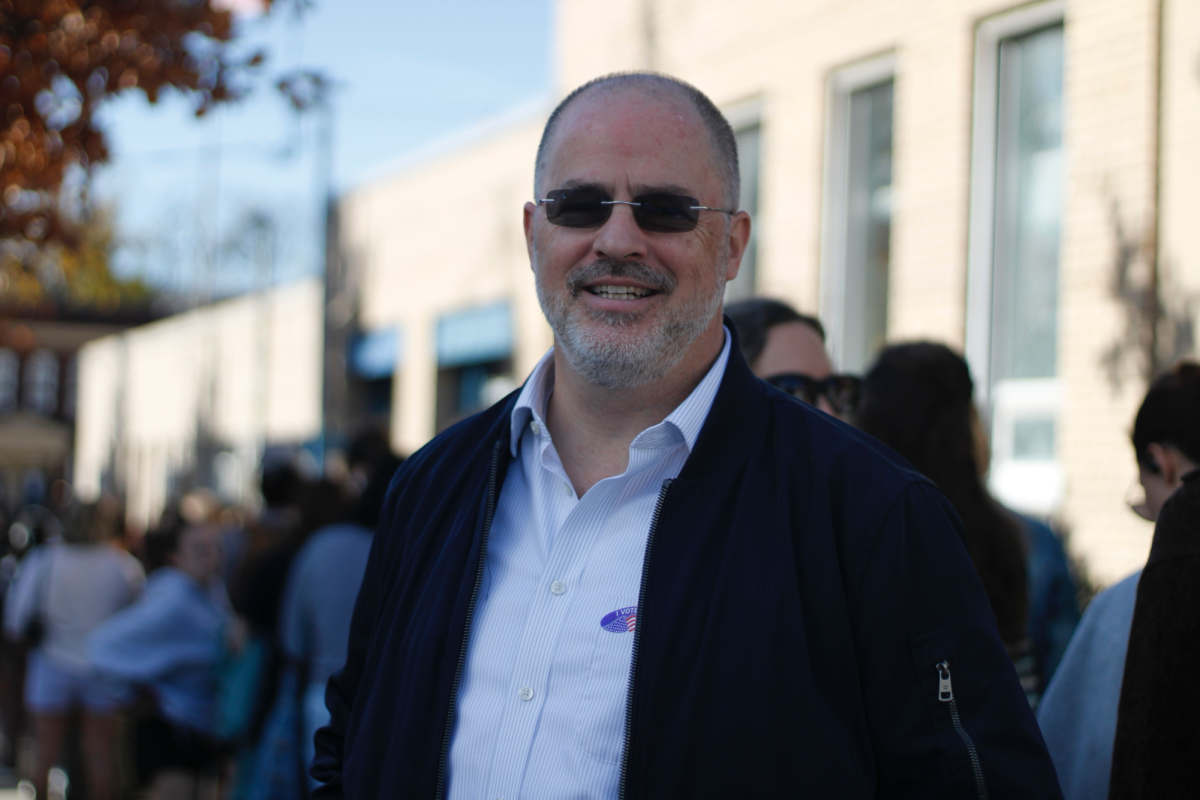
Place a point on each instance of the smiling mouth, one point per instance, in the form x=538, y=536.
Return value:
x=610, y=292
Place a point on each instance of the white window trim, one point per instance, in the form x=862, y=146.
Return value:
x=982, y=214
x=839, y=87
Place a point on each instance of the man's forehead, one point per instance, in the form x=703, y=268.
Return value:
x=643, y=132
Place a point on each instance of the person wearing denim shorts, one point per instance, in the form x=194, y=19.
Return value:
x=69, y=587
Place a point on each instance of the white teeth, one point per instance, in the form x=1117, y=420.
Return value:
x=619, y=292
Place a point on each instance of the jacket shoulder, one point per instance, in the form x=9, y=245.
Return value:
x=843, y=451
x=455, y=449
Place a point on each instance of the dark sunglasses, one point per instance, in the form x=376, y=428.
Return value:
x=660, y=213
x=840, y=390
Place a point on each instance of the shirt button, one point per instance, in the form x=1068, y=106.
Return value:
x=537, y=429
x=558, y=587
x=526, y=693
x=567, y=488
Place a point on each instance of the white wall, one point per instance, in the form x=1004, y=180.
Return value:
x=247, y=370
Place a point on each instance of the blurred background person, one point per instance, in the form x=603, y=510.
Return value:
x=1078, y=714
x=167, y=646
x=62, y=592
x=255, y=568
x=281, y=486
x=275, y=770
x=1053, y=595
x=32, y=526
x=1154, y=754
x=787, y=349
x=917, y=399
x=324, y=580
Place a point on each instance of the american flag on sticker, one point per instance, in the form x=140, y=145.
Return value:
x=623, y=620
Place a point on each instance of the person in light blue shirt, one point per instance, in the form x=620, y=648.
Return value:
x=1078, y=712
x=323, y=582
x=168, y=645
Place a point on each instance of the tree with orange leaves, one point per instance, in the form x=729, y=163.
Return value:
x=59, y=60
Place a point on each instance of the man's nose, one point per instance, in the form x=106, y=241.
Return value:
x=620, y=238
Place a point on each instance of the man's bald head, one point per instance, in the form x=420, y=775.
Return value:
x=722, y=141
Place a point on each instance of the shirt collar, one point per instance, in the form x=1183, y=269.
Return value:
x=688, y=417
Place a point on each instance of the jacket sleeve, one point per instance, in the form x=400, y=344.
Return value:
x=923, y=626
x=342, y=689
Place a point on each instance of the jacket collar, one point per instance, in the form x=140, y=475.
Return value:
x=734, y=422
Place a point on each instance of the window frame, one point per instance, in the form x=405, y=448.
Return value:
x=1028, y=485
x=841, y=84
x=981, y=225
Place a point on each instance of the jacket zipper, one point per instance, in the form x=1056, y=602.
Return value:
x=637, y=635
x=946, y=695
x=489, y=511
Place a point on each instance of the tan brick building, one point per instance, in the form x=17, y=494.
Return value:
x=1012, y=179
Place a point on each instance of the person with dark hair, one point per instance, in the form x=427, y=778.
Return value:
x=918, y=399
x=323, y=582
x=648, y=573
x=269, y=742
x=1154, y=754
x=787, y=350
x=62, y=592
x=1148, y=673
x=759, y=318
x=167, y=647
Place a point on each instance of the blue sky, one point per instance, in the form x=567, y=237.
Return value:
x=408, y=74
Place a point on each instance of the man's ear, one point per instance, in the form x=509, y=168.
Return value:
x=530, y=210
x=739, y=239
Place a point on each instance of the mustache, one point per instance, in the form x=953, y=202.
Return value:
x=608, y=268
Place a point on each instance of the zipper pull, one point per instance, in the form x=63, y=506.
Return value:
x=945, y=692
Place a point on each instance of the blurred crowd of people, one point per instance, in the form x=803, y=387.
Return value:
x=188, y=662
x=192, y=662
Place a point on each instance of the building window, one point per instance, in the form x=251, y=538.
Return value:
x=1028, y=206
x=470, y=388
x=41, y=383
x=10, y=379
x=474, y=349
x=856, y=244
x=373, y=359
x=1016, y=208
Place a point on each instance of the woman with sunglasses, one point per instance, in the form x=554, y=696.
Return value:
x=1078, y=714
x=787, y=350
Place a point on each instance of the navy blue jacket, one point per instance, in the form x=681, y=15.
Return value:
x=801, y=588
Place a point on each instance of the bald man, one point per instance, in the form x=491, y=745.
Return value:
x=647, y=574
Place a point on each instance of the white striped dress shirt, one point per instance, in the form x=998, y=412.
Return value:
x=541, y=706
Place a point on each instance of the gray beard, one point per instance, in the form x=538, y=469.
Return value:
x=603, y=356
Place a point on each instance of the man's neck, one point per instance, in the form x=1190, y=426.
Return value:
x=593, y=426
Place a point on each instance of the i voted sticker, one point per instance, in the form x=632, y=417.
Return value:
x=623, y=620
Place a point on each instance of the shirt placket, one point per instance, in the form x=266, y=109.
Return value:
x=565, y=550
